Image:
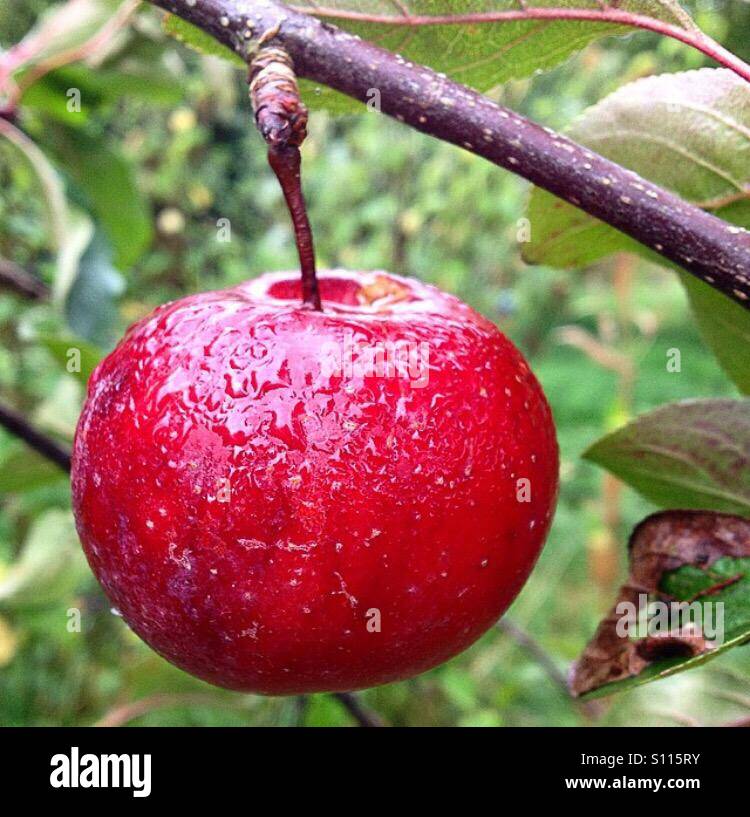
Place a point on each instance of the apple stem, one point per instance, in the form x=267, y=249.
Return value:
x=286, y=162
x=281, y=118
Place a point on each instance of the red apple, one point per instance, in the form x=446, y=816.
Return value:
x=284, y=500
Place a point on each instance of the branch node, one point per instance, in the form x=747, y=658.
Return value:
x=269, y=34
x=280, y=114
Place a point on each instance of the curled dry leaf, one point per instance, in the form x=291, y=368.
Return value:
x=715, y=549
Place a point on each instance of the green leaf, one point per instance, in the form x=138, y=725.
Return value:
x=24, y=470
x=725, y=326
x=108, y=179
x=694, y=581
x=691, y=454
x=148, y=82
x=59, y=411
x=199, y=41
x=50, y=566
x=98, y=87
x=45, y=97
x=696, y=567
x=77, y=238
x=90, y=307
x=484, y=55
x=75, y=356
x=688, y=132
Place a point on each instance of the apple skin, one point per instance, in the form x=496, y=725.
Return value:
x=273, y=526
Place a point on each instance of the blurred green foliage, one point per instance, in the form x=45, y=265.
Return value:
x=176, y=131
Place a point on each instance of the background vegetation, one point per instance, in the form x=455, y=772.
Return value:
x=162, y=150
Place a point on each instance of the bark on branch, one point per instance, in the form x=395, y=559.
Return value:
x=712, y=250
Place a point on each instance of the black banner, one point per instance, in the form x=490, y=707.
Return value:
x=139, y=765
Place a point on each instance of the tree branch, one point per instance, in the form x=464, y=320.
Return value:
x=46, y=446
x=24, y=283
x=536, y=652
x=712, y=250
x=361, y=714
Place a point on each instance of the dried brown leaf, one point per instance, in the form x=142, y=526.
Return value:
x=662, y=543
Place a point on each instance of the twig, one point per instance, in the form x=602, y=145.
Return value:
x=536, y=651
x=301, y=703
x=46, y=446
x=677, y=717
x=121, y=715
x=733, y=697
x=739, y=723
x=54, y=191
x=16, y=278
x=711, y=249
x=363, y=716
